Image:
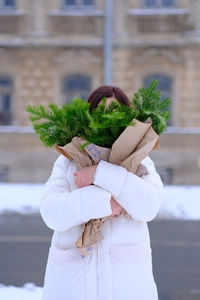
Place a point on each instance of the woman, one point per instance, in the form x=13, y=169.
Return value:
x=120, y=266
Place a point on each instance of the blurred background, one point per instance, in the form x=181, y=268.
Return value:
x=57, y=50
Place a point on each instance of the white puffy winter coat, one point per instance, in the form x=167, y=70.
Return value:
x=120, y=267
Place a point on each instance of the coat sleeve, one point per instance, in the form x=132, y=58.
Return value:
x=62, y=208
x=140, y=197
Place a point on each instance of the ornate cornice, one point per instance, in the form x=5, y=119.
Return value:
x=80, y=56
x=157, y=52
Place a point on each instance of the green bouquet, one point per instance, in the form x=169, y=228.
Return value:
x=57, y=126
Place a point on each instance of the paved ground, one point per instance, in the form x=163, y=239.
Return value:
x=176, y=259
x=24, y=243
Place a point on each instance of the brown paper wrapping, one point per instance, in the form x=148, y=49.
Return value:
x=131, y=147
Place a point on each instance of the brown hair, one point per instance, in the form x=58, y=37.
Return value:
x=107, y=91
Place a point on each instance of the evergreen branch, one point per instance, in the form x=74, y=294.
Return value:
x=104, y=125
x=147, y=103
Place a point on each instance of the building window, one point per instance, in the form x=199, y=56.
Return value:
x=75, y=86
x=7, y=4
x=159, y=3
x=164, y=85
x=69, y=2
x=5, y=100
x=88, y=2
x=78, y=3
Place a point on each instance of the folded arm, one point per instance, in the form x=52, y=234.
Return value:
x=140, y=197
x=62, y=208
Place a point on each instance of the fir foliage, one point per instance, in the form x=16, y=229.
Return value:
x=147, y=103
x=107, y=123
x=104, y=125
x=60, y=125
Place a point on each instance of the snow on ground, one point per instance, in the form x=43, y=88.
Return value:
x=182, y=202
x=21, y=198
x=29, y=291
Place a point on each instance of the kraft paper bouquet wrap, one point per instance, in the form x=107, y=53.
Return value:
x=118, y=134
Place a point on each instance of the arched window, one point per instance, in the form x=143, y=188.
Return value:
x=5, y=100
x=159, y=3
x=75, y=86
x=78, y=3
x=7, y=4
x=164, y=85
x=87, y=2
x=69, y=2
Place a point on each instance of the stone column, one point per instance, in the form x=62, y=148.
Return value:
x=120, y=18
x=37, y=17
x=195, y=16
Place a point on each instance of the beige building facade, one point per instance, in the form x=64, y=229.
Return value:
x=54, y=51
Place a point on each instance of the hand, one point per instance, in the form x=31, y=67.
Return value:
x=85, y=176
x=116, y=207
